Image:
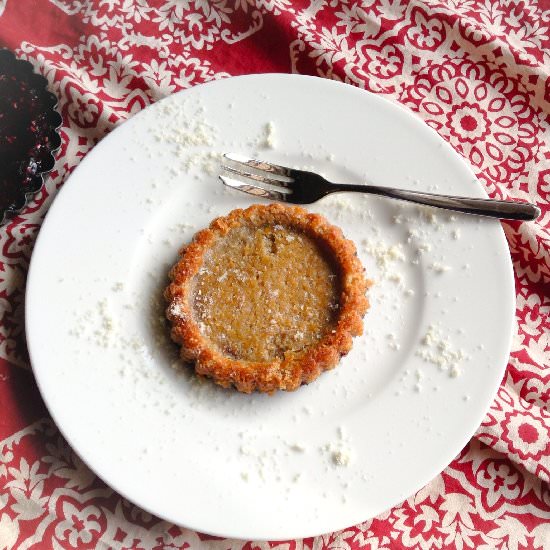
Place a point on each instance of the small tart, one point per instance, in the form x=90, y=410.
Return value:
x=266, y=298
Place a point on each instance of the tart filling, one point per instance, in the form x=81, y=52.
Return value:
x=266, y=298
x=263, y=291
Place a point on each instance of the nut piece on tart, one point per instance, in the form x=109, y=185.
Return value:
x=266, y=298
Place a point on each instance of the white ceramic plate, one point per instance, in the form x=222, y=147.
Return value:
x=258, y=466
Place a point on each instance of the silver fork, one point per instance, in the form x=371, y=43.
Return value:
x=284, y=184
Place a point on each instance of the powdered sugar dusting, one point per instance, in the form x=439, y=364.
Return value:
x=437, y=349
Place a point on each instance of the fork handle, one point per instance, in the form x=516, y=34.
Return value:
x=509, y=210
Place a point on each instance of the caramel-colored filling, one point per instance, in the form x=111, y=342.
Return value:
x=265, y=291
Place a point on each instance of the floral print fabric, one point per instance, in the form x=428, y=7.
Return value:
x=477, y=71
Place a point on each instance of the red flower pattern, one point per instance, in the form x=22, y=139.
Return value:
x=383, y=61
x=527, y=435
x=425, y=32
x=467, y=122
x=482, y=112
x=499, y=482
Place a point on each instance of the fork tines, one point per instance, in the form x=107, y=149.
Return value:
x=277, y=178
x=260, y=165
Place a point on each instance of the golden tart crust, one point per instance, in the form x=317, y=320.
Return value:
x=250, y=367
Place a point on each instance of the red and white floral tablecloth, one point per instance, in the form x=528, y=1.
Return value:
x=478, y=71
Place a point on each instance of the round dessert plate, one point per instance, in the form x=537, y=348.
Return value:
x=361, y=438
